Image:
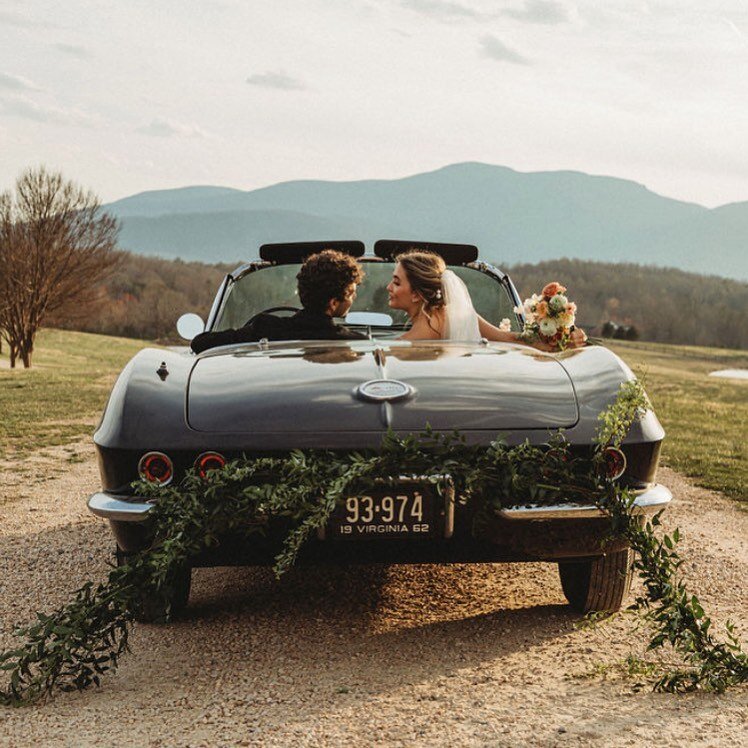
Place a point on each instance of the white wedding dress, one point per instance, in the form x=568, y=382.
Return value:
x=461, y=317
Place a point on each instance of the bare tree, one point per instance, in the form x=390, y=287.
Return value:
x=55, y=247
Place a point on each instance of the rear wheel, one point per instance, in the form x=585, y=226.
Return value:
x=599, y=585
x=156, y=607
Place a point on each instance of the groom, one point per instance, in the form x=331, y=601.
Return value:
x=326, y=285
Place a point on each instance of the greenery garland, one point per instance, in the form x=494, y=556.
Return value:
x=71, y=647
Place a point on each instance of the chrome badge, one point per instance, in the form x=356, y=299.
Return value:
x=384, y=390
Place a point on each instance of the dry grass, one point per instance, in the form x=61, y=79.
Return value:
x=705, y=417
x=61, y=397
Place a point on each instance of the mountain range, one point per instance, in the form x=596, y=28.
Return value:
x=513, y=217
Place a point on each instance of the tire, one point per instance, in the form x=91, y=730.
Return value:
x=599, y=585
x=167, y=604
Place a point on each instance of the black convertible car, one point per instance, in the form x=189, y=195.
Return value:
x=172, y=410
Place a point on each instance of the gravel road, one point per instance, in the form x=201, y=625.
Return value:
x=485, y=655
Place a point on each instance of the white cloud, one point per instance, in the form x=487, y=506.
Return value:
x=74, y=50
x=16, y=83
x=9, y=18
x=441, y=8
x=160, y=127
x=494, y=48
x=25, y=108
x=277, y=80
x=539, y=11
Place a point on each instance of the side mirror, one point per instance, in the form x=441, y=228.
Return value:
x=189, y=325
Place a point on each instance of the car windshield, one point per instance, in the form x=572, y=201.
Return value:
x=275, y=286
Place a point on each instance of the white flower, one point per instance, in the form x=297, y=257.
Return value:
x=558, y=303
x=532, y=302
x=505, y=325
x=548, y=326
x=519, y=310
x=565, y=319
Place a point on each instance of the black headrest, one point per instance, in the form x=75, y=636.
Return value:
x=291, y=252
x=453, y=254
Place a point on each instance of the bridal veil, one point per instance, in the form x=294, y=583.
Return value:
x=461, y=317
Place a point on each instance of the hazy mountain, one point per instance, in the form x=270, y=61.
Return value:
x=163, y=202
x=512, y=216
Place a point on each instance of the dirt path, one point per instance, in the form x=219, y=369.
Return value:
x=483, y=655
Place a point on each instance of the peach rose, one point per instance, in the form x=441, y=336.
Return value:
x=541, y=310
x=571, y=308
x=552, y=288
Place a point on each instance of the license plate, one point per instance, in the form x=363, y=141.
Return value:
x=396, y=512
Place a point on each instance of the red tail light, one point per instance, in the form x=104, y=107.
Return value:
x=156, y=467
x=209, y=461
x=615, y=463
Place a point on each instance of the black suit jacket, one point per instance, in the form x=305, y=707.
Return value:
x=304, y=325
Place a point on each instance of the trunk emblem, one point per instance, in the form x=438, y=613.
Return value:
x=384, y=390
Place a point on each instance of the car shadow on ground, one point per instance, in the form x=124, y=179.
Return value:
x=373, y=627
x=369, y=629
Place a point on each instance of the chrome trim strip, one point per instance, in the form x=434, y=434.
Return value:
x=449, y=508
x=648, y=501
x=106, y=506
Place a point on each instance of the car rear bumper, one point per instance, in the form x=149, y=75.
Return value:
x=118, y=508
x=648, y=501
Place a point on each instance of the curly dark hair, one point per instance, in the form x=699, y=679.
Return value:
x=324, y=276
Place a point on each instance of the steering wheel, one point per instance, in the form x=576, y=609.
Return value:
x=271, y=311
x=279, y=309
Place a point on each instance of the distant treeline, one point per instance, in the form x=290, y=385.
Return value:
x=663, y=304
x=145, y=296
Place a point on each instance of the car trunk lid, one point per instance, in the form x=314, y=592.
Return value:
x=313, y=388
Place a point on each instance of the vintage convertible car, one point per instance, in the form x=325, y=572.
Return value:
x=171, y=410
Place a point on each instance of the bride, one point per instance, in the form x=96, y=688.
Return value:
x=439, y=304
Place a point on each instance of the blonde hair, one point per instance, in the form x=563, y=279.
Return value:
x=424, y=271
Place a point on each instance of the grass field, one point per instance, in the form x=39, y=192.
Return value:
x=706, y=418
x=60, y=398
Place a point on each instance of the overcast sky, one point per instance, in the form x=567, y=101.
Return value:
x=138, y=95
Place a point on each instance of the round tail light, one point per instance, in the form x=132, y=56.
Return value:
x=156, y=467
x=615, y=462
x=209, y=461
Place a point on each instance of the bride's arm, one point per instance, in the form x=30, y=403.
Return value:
x=491, y=332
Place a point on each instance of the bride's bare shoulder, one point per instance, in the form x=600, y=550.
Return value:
x=439, y=321
x=425, y=328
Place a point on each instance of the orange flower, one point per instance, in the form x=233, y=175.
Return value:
x=541, y=310
x=552, y=288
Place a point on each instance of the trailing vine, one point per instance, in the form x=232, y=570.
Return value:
x=676, y=616
x=73, y=646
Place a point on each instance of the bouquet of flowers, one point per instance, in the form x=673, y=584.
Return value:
x=549, y=317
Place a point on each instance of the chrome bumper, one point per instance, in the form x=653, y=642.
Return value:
x=108, y=506
x=649, y=501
